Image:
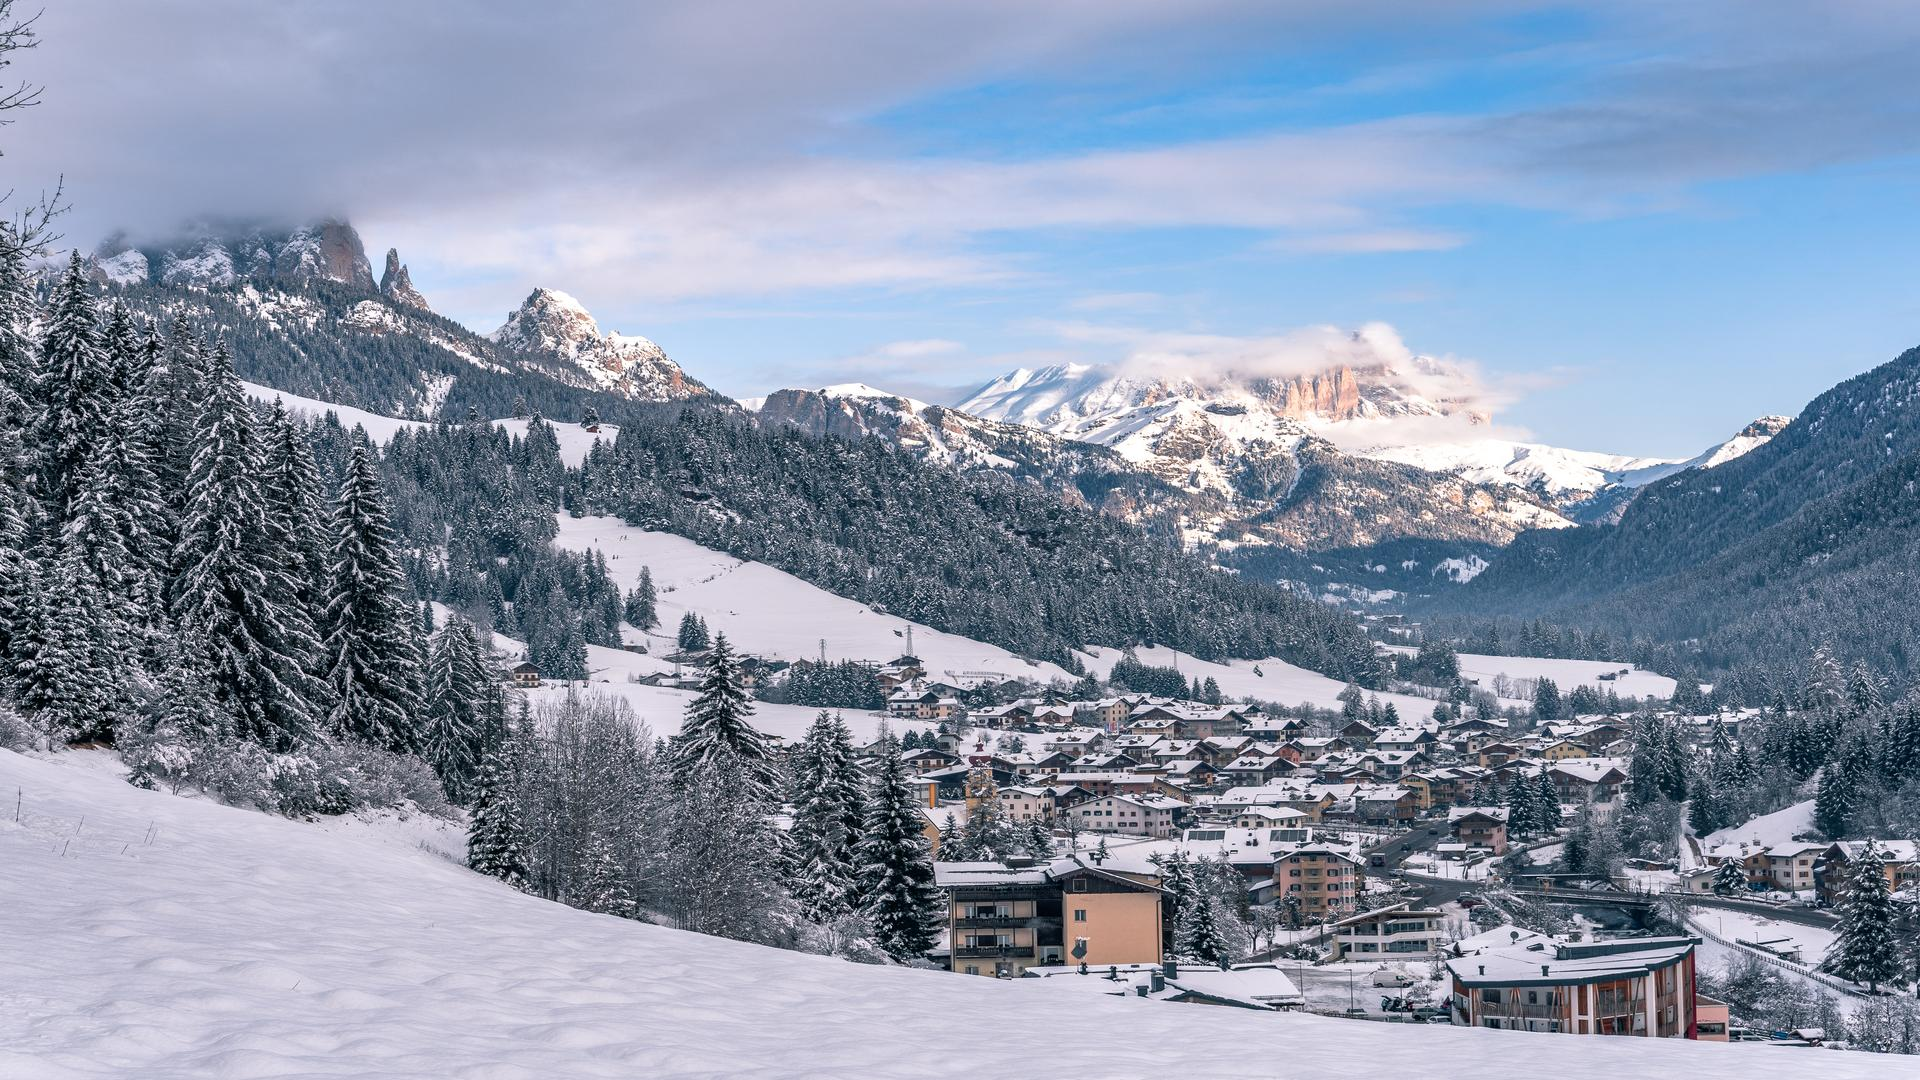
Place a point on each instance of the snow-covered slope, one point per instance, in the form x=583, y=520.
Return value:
x=1566, y=674
x=772, y=613
x=1779, y=827
x=575, y=441
x=1277, y=680
x=165, y=938
x=553, y=326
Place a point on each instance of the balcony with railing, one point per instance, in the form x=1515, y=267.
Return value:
x=991, y=922
x=994, y=952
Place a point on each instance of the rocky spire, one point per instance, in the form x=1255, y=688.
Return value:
x=396, y=286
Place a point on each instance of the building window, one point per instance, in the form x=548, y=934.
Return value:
x=1079, y=914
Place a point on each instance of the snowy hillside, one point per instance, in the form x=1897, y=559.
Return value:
x=1566, y=674
x=172, y=939
x=574, y=440
x=771, y=613
x=1278, y=681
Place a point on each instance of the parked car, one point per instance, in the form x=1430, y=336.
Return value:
x=1387, y=976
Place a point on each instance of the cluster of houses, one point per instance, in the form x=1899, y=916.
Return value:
x=1810, y=869
x=1146, y=766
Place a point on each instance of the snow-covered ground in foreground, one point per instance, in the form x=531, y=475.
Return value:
x=574, y=440
x=236, y=945
x=1566, y=674
x=1277, y=681
x=770, y=612
x=1779, y=827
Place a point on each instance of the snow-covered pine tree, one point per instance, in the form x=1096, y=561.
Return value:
x=1728, y=879
x=1199, y=936
x=821, y=844
x=1519, y=803
x=1546, y=803
x=896, y=869
x=67, y=681
x=234, y=591
x=18, y=395
x=641, y=602
x=693, y=633
x=1837, y=800
x=1176, y=877
x=953, y=845
x=1039, y=840
x=1867, y=951
x=370, y=653
x=73, y=390
x=291, y=487
x=126, y=449
x=458, y=732
x=603, y=887
x=988, y=833
x=717, y=724
x=496, y=836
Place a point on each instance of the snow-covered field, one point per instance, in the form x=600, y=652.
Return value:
x=769, y=612
x=1277, y=681
x=165, y=938
x=1566, y=674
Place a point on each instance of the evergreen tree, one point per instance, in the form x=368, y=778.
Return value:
x=954, y=846
x=1546, y=702
x=693, y=634
x=1728, y=880
x=825, y=821
x=1039, y=840
x=74, y=391
x=496, y=838
x=460, y=729
x=1706, y=808
x=1199, y=933
x=1867, y=950
x=66, y=678
x=896, y=870
x=717, y=725
x=640, y=604
x=1546, y=803
x=234, y=592
x=1176, y=877
x=1838, y=799
x=604, y=889
x=1519, y=803
x=371, y=655
x=291, y=489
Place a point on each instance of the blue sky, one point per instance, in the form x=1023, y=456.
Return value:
x=1642, y=224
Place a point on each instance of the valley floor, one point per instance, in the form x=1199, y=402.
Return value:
x=151, y=936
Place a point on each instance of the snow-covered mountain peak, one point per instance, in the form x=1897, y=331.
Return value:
x=553, y=325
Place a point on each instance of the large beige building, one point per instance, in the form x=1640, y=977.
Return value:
x=1005, y=918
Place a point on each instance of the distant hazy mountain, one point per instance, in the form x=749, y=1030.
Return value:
x=1812, y=536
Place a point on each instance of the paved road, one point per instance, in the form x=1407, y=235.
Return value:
x=1802, y=916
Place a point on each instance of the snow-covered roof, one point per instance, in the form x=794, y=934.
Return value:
x=1548, y=963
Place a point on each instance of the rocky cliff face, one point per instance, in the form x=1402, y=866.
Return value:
x=397, y=286
x=553, y=327
x=212, y=257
